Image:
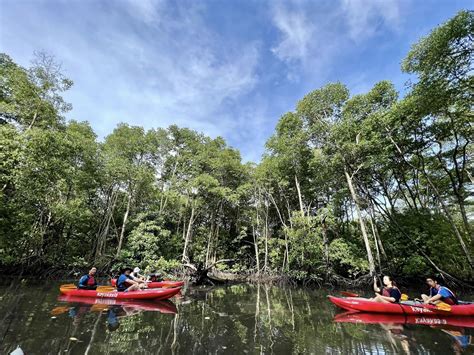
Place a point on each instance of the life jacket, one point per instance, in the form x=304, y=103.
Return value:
x=87, y=280
x=91, y=281
x=121, y=282
x=386, y=293
x=452, y=299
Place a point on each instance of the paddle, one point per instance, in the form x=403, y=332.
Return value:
x=106, y=289
x=441, y=306
x=404, y=296
x=348, y=294
x=99, y=288
x=59, y=310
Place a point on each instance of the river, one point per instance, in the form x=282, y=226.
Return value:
x=237, y=319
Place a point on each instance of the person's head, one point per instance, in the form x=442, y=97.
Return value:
x=127, y=271
x=431, y=281
x=136, y=270
x=388, y=281
x=93, y=270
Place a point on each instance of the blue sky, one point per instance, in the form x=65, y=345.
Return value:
x=227, y=68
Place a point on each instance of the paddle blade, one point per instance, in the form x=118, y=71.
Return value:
x=59, y=310
x=443, y=307
x=99, y=307
x=349, y=294
x=105, y=289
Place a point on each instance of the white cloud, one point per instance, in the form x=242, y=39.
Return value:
x=149, y=11
x=147, y=63
x=365, y=17
x=296, y=30
x=314, y=31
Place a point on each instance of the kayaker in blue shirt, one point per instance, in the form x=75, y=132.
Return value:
x=439, y=293
x=88, y=282
x=126, y=283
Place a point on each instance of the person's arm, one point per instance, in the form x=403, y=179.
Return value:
x=83, y=281
x=376, y=289
x=434, y=298
x=130, y=281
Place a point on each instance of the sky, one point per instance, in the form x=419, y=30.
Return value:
x=228, y=68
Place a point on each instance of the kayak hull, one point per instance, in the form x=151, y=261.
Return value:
x=405, y=308
x=378, y=318
x=158, y=284
x=162, y=306
x=158, y=294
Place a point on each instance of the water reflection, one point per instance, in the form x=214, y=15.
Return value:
x=239, y=319
x=397, y=327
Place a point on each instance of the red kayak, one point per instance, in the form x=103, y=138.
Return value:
x=376, y=318
x=406, y=308
x=158, y=284
x=158, y=294
x=163, y=306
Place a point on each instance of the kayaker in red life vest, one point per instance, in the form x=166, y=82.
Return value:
x=125, y=282
x=439, y=293
x=88, y=282
x=389, y=294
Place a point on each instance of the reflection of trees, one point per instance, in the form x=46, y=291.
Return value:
x=251, y=318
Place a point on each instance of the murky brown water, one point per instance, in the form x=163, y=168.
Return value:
x=239, y=319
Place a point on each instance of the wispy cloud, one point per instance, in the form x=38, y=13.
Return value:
x=228, y=68
x=311, y=30
x=315, y=35
x=366, y=17
x=296, y=32
x=149, y=11
x=150, y=63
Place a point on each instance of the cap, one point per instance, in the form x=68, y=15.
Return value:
x=137, y=269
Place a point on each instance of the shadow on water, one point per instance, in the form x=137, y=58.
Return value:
x=238, y=319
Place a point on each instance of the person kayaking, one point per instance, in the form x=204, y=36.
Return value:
x=389, y=294
x=88, y=282
x=154, y=277
x=136, y=276
x=126, y=283
x=439, y=293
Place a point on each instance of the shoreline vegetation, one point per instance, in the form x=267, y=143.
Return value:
x=349, y=186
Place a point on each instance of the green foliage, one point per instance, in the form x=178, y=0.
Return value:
x=167, y=196
x=344, y=255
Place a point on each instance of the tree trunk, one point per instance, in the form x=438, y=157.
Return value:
x=124, y=223
x=185, y=257
x=285, y=256
x=299, y=195
x=370, y=258
x=33, y=121
x=255, y=243
x=377, y=251
x=462, y=207
x=209, y=239
x=265, y=264
x=440, y=201
x=326, y=246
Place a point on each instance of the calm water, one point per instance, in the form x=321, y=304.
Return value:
x=239, y=319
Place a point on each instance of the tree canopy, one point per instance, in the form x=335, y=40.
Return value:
x=349, y=185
